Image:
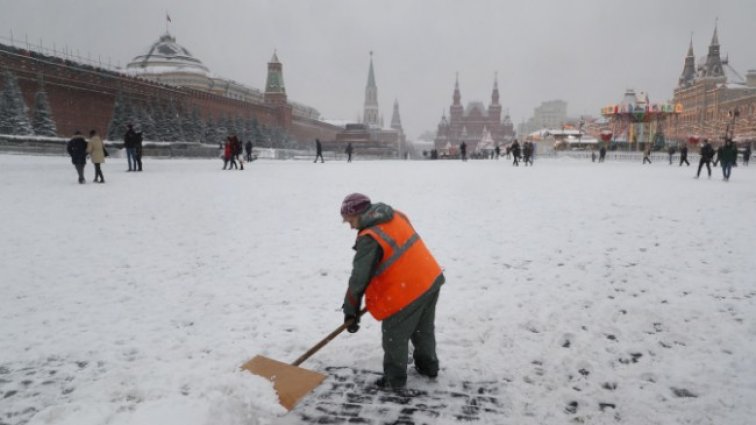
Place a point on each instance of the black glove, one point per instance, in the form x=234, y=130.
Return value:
x=352, y=322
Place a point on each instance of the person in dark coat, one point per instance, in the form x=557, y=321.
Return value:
x=138, y=151
x=348, y=151
x=527, y=151
x=129, y=142
x=497, y=151
x=671, y=153
x=747, y=154
x=318, y=151
x=238, y=150
x=707, y=153
x=463, y=151
x=400, y=281
x=516, y=153
x=248, y=149
x=718, y=154
x=77, y=149
x=684, y=155
x=727, y=158
x=602, y=153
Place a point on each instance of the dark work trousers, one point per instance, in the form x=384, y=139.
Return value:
x=233, y=162
x=700, y=166
x=138, y=158
x=80, y=171
x=726, y=169
x=415, y=323
x=98, y=173
x=646, y=159
x=685, y=160
x=319, y=155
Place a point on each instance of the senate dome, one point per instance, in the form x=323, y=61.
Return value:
x=166, y=56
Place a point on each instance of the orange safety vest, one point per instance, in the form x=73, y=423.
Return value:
x=406, y=271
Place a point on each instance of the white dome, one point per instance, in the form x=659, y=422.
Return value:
x=166, y=56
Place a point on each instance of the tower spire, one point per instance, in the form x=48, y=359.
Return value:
x=495, y=92
x=713, y=66
x=370, y=116
x=689, y=69
x=456, y=97
x=396, y=120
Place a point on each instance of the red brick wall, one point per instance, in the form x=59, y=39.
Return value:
x=83, y=98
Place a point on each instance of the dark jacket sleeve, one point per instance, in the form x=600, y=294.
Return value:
x=366, y=258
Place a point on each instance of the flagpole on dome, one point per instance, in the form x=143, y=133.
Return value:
x=167, y=22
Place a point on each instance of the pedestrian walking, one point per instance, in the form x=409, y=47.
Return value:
x=707, y=153
x=497, y=151
x=747, y=154
x=318, y=151
x=728, y=157
x=463, y=151
x=602, y=153
x=77, y=149
x=647, y=154
x=138, y=151
x=227, y=153
x=684, y=155
x=348, y=151
x=516, y=153
x=671, y=153
x=718, y=154
x=96, y=151
x=527, y=150
x=248, y=149
x=400, y=280
x=129, y=142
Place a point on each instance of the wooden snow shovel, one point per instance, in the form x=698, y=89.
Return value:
x=291, y=381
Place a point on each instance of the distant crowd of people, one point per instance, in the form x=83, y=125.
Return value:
x=233, y=150
x=726, y=156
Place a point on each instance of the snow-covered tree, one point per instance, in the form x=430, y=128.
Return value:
x=42, y=121
x=172, y=123
x=117, y=126
x=210, y=135
x=14, y=118
x=146, y=122
x=198, y=127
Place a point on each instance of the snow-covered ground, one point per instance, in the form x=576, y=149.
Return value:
x=595, y=293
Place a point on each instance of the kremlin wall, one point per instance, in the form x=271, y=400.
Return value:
x=84, y=97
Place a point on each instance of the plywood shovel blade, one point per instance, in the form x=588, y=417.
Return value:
x=291, y=382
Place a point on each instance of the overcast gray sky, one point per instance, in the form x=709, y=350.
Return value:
x=585, y=52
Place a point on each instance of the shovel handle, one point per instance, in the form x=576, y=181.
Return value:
x=326, y=340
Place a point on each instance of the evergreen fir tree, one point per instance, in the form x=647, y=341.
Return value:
x=161, y=123
x=172, y=122
x=42, y=121
x=187, y=126
x=117, y=126
x=197, y=125
x=13, y=115
x=210, y=131
x=146, y=122
x=222, y=127
x=239, y=128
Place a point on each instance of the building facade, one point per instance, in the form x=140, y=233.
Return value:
x=471, y=124
x=716, y=100
x=549, y=115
